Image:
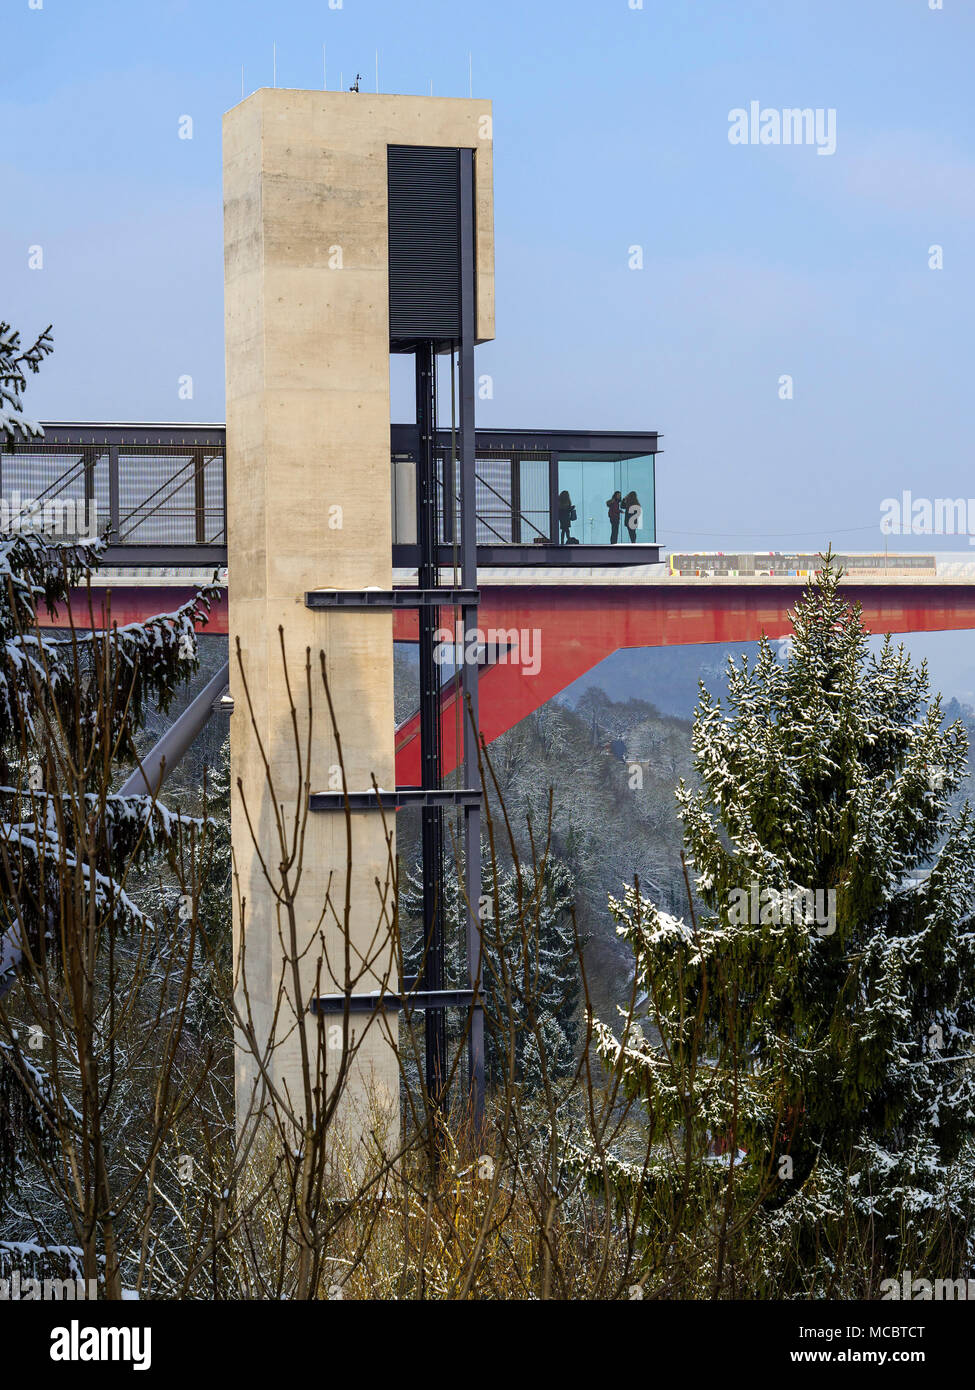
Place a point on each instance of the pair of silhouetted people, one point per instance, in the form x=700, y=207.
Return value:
x=619, y=506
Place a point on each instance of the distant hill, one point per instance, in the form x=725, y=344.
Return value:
x=666, y=677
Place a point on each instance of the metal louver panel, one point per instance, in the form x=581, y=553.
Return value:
x=424, y=242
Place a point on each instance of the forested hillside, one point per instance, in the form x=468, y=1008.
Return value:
x=611, y=768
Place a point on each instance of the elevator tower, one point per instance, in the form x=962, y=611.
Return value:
x=356, y=226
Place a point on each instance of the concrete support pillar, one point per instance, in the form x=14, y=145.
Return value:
x=309, y=506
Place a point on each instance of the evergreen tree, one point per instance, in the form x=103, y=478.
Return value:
x=71, y=706
x=213, y=909
x=530, y=967
x=15, y=363
x=825, y=995
x=208, y=1011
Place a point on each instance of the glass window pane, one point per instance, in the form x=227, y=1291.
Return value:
x=604, y=500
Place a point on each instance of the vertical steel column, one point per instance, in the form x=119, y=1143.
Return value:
x=553, y=499
x=472, y=817
x=432, y=828
x=90, y=457
x=199, y=498
x=114, y=509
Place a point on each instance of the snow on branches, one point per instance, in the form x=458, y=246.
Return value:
x=826, y=771
x=15, y=363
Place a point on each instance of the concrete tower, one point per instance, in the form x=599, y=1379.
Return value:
x=309, y=500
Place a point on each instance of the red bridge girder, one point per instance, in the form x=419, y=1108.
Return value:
x=134, y=603
x=578, y=625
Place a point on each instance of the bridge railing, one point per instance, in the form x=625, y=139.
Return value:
x=511, y=499
x=159, y=501
x=159, y=491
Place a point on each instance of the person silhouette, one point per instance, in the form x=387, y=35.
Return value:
x=615, y=508
x=567, y=514
x=634, y=513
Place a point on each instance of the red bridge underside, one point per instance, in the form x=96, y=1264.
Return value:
x=581, y=624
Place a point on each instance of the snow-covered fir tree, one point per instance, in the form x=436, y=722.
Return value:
x=162, y=895
x=530, y=968
x=71, y=707
x=826, y=1040
x=211, y=987
x=15, y=362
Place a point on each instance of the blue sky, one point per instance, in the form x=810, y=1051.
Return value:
x=611, y=131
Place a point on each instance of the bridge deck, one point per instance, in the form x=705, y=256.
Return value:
x=551, y=628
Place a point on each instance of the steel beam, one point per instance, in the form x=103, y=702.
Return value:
x=507, y=555
x=401, y=798
x=431, y=1000
x=431, y=815
x=164, y=557
x=390, y=598
x=469, y=676
x=148, y=777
